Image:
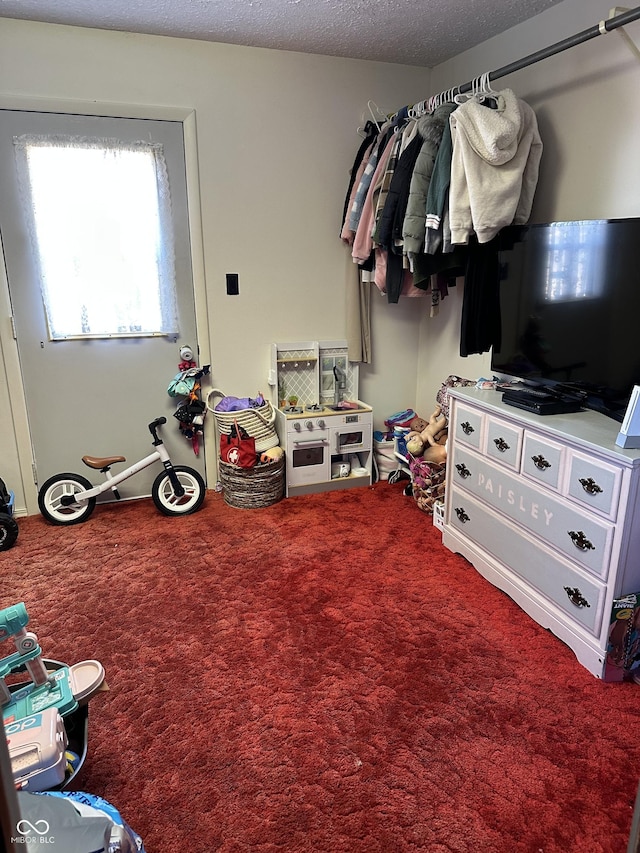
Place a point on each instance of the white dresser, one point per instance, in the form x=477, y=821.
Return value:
x=546, y=509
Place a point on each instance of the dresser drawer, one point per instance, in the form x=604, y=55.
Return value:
x=578, y=596
x=468, y=426
x=503, y=443
x=542, y=460
x=583, y=538
x=594, y=483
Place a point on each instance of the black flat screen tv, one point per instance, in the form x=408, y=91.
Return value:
x=570, y=309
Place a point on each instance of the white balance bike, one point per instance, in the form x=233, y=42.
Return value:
x=71, y=498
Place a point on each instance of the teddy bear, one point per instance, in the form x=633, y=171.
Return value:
x=430, y=441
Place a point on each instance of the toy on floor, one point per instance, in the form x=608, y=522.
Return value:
x=71, y=498
x=34, y=712
x=8, y=524
x=428, y=439
x=43, y=691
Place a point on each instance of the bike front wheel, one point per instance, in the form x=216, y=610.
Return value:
x=168, y=502
x=59, y=511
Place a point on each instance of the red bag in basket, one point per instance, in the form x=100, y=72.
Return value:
x=238, y=448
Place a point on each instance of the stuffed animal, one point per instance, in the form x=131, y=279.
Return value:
x=272, y=455
x=430, y=441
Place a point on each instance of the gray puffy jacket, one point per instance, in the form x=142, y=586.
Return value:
x=430, y=127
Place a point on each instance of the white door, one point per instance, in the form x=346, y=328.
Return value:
x=95, y=396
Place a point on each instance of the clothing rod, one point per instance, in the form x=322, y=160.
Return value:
x=558, y=47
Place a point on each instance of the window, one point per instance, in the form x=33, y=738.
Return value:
x=99, y=211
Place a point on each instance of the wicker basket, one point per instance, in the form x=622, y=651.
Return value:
x=259, y=422
x=252, y=488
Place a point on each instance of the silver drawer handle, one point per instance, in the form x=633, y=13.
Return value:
x=580, y=540
x=576, y=597
x=590, y=486
x=462, y=515
x=463, y=470
x=467, y=429
x=501, y=444
x=540, y=462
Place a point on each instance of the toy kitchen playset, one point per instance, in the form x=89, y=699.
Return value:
x=325, y=430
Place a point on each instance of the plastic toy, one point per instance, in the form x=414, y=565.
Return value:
x=39, y=714
x=8, y=524
x=429, y=442
x=71, y=498
x=37, y=750
x=45, y=690
x=186, y=358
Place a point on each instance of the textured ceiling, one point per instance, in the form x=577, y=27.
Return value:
x=414, y=32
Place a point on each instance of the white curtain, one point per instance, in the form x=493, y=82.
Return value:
x=99, y=216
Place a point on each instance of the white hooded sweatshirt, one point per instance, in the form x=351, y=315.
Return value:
x=494, y=166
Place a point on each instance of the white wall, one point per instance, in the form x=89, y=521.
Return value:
x=276, y=134
x=586, y=102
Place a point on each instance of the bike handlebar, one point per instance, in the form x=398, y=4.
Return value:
x=153, y=426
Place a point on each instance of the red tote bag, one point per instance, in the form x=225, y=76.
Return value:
x=238, y=448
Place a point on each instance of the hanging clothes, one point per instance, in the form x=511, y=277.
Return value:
x=480, y=325
x=400, y=278
x=427, y=197
x=431, y=128
x=358, y=316
x=371, y=134
x=393, y=277
x=494, y=166
x=363, y=241
x=438, y=196
x=389, y=226
x=386, y=131
x=389, y=171
x=347, y=234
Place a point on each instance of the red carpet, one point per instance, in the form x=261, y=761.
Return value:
x=322, y=675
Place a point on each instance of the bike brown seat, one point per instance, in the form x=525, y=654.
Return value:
x=99, y=462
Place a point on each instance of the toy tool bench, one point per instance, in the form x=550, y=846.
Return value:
x=47, y=714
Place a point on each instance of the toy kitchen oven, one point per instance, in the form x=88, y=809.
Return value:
x=325, y=430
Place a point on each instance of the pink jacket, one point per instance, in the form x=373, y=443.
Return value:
x=363, y=242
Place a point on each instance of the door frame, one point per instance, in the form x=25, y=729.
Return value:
x=9, y=345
